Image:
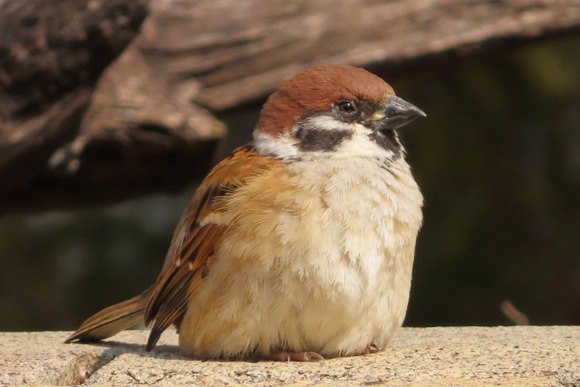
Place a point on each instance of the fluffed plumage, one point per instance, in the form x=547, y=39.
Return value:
x=299, y=245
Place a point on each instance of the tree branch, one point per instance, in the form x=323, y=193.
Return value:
x=73, y=134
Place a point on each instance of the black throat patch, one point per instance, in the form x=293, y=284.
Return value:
x=388, y=140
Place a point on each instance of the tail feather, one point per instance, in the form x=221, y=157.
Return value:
x=111, y=320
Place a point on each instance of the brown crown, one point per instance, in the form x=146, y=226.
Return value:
x=317, y=89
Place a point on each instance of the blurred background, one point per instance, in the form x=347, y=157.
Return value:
x=498, y=161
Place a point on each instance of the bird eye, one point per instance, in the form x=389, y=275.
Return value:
x=346, y=106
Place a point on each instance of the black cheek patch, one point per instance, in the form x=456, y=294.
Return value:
x=312, y=139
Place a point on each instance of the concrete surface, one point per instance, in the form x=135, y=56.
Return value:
x=450, y=356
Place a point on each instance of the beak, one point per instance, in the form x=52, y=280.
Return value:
x=397, y=113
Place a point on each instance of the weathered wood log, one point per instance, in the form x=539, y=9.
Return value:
x=145, y=129
x=234, y=52
x=52, y=53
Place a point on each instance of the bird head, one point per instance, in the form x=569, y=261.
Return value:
x=333, y=109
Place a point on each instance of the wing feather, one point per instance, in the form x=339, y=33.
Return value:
x=193, y=246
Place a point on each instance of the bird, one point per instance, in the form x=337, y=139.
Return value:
x=298, y=246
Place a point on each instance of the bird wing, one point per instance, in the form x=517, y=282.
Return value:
x=193, y=248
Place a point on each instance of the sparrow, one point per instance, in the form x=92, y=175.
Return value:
x=299, y=246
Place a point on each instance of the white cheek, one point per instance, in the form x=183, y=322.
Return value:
x=286, y=146
x=324, y=122
x=358, y=145
x=361, y=145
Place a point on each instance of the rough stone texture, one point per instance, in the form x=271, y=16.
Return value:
x=466, y=356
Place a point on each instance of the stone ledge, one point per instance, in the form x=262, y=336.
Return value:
x=448, y=356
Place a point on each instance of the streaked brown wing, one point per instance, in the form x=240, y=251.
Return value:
x=193, y=246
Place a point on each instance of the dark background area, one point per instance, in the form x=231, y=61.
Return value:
x=498, y=160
